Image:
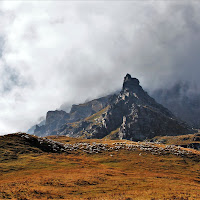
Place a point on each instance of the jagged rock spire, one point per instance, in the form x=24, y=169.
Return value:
x=137, y=116
x=132, y=114
x=130, y=83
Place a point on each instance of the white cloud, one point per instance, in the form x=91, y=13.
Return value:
x=56, y=52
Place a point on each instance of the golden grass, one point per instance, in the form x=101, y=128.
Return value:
x=113, y=135
x=119, y=175
x=91, y=118
x=178, y=140
x=97, y=115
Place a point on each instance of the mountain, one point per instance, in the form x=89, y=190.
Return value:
x=32, y=129
x=179, y=99
x=182, y=101
x=132, y=114
x=55, y=119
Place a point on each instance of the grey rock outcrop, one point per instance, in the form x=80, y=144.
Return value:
x=32, y=129
x=54, y=120
x=131, y=114
x=59, y=121
x=137, y=116
x=81, y=111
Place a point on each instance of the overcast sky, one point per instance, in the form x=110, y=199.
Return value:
x=70, y=51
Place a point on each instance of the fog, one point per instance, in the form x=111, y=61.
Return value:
x=67, y=52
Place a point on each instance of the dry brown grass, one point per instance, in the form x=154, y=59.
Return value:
x=95, y=116
x=181, y=140
x=125, y=175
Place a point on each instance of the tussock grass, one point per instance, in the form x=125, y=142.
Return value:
x=180, y=139
x=122, y=174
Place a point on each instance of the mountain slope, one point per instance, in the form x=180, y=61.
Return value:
x=182, y=101
x=132, y=114
x=56, y=119
x=187, y=141
x=32, y=129
x=136, y=115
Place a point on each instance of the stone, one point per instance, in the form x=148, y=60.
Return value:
x=138, y=116
x=57, y=121
x=131, y=114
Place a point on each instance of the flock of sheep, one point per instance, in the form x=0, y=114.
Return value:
x=155, y=149
x=95, y=148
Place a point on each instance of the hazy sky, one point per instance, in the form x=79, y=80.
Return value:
x=69, y=51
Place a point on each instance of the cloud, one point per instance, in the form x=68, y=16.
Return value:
x=59, y=53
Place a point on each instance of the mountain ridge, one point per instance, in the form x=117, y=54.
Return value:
x=132, y=114
x=137, y=115
x=56, y=119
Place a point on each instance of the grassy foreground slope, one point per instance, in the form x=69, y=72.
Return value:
x=30, y=171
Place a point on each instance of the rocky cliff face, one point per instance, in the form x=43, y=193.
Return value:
x=81, y=111
x=57, y=119
x=137, y=116
x=54, y=120
x=40, y=123
x=132, y=114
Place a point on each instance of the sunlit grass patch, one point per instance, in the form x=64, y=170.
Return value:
x=120, y=174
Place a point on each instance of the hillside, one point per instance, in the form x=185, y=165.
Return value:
x=59, y=167
x=180, y=99
x=58, y=118
x=131, y=114
x=187, y=141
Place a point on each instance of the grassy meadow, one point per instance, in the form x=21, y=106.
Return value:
x=27, y=172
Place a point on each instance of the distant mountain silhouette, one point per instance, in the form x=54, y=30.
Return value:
x=179, y=99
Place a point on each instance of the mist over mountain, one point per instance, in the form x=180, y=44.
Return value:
x=40, y=122
x=131, y=114
x=56, y=119
x=54, y=53
x=183, y=99
x=99, y=99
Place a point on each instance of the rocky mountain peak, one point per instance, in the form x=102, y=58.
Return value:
x=130, y=83
x=132, y=114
